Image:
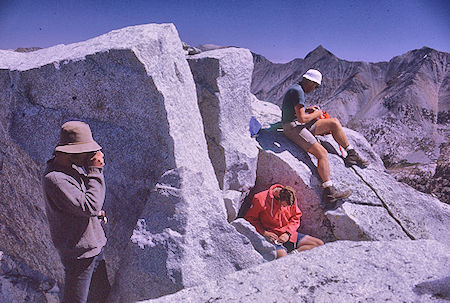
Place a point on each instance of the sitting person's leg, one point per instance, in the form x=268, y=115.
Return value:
x=325, y=126
x=306, y=242
x=306, y=140
x=301, y=136
x=323, y=166
x=281, y=253
x=330, y=193
x=309, y=242
x=280, y=249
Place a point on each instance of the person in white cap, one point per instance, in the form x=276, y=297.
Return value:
x=301, y=124
x=74, y=189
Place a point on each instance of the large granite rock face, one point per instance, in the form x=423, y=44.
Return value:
x=266, y=113
x=344, y=271
x=380, y=208
x=183, y=241
x=19, y=283
x=22, y=209
x=261, y=245
x=135, y=89
x=222, y=78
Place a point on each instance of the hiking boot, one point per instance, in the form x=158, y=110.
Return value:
x=331, y=194
x=354, y=159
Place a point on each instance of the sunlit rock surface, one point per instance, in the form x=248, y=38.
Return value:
x=344, y=271
x=135, y=89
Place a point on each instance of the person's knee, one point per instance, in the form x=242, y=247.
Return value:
x=310, y=240
x=318, y=151
x=335, y=124
x=281, y=253
x=321, y=153
x=318, y=242
x=314, y=241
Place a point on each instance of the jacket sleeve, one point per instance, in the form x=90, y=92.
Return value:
x=252, y=215
x=294, y=220
x=68, y=196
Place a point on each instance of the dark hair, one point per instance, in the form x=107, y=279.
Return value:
x=287, y=194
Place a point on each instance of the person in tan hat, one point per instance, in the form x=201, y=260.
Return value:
x=74, y=189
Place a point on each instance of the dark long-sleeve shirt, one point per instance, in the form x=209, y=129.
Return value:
x=73, y=202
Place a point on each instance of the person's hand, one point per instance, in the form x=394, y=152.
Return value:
x=272, y=237
x=102, y=216
x=312, y=109
x=283, y=238
x=97, y=160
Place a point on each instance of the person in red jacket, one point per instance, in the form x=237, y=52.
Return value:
x=275, y=215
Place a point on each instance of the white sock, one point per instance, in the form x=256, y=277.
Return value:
x=327, y=184
x=349, y=147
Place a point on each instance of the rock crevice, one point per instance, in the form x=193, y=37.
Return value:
x=384, y=204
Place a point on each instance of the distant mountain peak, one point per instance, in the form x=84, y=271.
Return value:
x=319, y=52
x=259, y=58
x=426, y=48
x=320, y=48
x=423, y=52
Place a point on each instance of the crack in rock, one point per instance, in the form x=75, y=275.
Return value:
x=384, y=205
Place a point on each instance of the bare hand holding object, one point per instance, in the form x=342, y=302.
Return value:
x=97, y=160
x=283, y=238
x=271, y=236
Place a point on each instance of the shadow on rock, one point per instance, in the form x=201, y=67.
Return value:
x=330, y=148
x=437, y=288
x=276, y=142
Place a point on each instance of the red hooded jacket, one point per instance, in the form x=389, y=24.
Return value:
x=266, y=213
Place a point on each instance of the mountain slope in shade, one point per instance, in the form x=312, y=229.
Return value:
x=401, y=106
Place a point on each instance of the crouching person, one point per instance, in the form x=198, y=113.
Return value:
x=275, y=215
x=74, y=189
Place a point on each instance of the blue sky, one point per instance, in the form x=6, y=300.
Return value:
x=280, y=30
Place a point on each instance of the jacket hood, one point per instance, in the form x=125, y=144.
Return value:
x=271, y=199
x=270, y=194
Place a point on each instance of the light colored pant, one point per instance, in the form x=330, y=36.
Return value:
x=300, y=134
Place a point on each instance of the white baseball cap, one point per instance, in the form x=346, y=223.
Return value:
x=313, y=75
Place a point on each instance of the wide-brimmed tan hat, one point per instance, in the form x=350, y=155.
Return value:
x=76, y=137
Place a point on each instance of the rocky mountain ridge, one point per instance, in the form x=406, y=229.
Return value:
x=401, y=106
